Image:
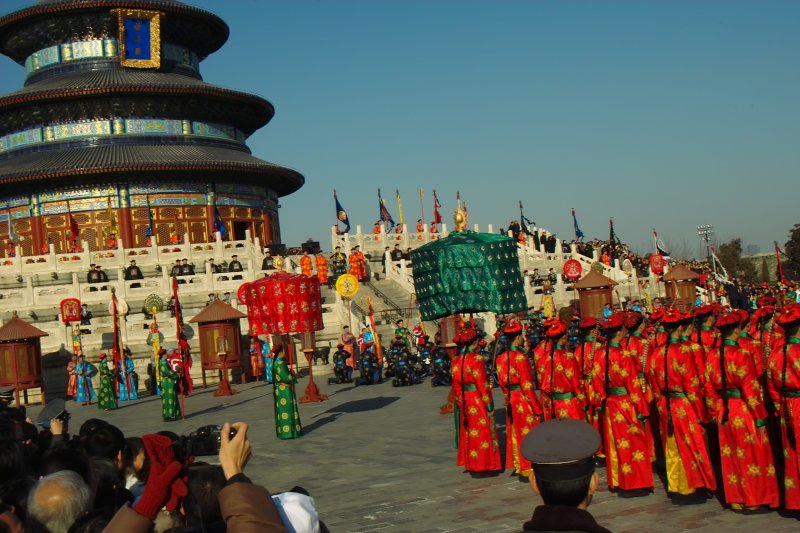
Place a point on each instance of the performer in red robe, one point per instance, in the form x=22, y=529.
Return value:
x=357, y=265
x=523, y=410
x=349, y=340
x=674, y=380
x=478, y=450
x=305, y=263
x=639, y=347
x=559, y=374
x=256, y=359
x=618, y=399
x=783, y=383
x=585, y=352
x=735, y=401
x=322, y=268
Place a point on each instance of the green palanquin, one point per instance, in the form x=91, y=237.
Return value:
x=468, y=272
x=170, y=408
x=287, y=417
x=106, y=399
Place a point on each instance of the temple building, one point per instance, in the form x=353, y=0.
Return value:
x=115, y=131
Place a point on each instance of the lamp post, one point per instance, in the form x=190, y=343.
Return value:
x=705, y=232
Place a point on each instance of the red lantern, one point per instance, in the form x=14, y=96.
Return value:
x=284, y=303
x=657, y=264
x=573, y=270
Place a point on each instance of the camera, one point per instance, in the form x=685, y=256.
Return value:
x=206, y=440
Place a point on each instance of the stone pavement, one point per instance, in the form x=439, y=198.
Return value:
x=379, y=458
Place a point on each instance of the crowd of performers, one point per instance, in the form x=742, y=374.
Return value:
x=411, y=356
x=712, y=396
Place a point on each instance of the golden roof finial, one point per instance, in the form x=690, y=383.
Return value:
x=460, y=219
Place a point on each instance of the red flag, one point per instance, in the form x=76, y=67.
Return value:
x=437, y=217
x=73, y=226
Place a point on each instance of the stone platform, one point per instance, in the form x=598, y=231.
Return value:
x=379, y=458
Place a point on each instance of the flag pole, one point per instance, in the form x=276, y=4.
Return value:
x=421, y=204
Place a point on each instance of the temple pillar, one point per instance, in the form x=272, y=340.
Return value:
x=210, y=201
x=37, y=226
x=266, y=220
x=124, y=217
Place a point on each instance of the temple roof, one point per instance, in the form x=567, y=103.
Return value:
x=151, y=159
x=217, y=312
x=48, y=22
x=680, y=273
x=594, y=280
x=136, y=83
x=17, y=329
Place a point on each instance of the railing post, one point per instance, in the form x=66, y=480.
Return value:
x=121, y=281
x=217, y=244
x=490, y=228
x=444, y=233
x=29, y=299
x=359, y=239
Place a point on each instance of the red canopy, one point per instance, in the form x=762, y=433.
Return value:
x=282, y=303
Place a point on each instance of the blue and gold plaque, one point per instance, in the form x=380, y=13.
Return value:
x=139, y=38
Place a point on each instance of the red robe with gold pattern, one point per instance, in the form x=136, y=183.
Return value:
x=559, y=374
x=478, y=450
x=783, y=384
x=617, y=397
x=357, y=266
x=680, y=412
x=522, y=406
x=736, y=401
x=322, y=269
x=305, y=264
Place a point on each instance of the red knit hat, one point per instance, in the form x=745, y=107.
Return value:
x=556, y=328
x=588, y=323
x=632, y=320
x=744, y=316
x=788, y=315
x=704, y=311
x=466, y=337
x=656, y=315
x=615, y=321
x=513, y=326
x=766, y=300
x=728, y=320
x=672, y=316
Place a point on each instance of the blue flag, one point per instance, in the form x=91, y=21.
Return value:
x=341, y=214
x=385, y=216
x=578, y=232
x=219, y=225
x=148, y=232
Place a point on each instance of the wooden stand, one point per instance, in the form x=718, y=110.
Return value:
x=312, y=393
x=224, y=388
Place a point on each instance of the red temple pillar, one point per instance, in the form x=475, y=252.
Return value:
x=210, y=201
x=125, y=222
x=267, y=227
x=37, y=227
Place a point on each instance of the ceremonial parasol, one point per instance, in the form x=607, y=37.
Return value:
x=284, y=303
x=468, y=272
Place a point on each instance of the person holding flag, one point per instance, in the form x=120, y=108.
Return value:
x=437, y=216
x=385, y=217
x=148, y=232
x=341, y=216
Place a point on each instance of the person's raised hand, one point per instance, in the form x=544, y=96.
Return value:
x=234, y=452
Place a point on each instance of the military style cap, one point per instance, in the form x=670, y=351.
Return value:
x=53, y=409
x=7, y=393
x=561, y=449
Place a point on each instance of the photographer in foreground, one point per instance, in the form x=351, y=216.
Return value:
x=243, y=506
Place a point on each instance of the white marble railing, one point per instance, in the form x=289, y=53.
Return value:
x=219, y=250
x=376, y=243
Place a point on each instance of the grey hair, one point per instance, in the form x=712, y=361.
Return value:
x=73, y=501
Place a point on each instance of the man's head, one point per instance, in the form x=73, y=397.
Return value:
x=106, y=442
x=133, y=262
x=57, y=500
x=562, y=454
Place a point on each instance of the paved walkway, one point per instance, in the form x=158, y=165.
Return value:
x=380, y=458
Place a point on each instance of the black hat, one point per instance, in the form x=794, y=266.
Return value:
x=53, y=409
x=561, y=449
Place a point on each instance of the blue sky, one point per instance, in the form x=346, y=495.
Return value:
x=665, y=114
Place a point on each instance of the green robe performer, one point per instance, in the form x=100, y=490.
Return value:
x=170, y=408
x=107, y=400
x=287, y=417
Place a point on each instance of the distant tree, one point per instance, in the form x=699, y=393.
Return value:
x=764, y=270
x=730, y=255
x=791, y=264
